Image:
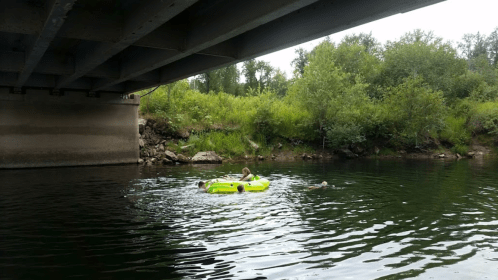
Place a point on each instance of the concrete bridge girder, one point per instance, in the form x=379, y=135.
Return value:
x=108, y=44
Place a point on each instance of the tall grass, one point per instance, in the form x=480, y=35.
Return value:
x=455, y=131
x=226, y=144
x=264, y=113
x=484, y=118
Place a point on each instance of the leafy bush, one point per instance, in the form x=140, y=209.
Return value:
x=340, y=134
x=436, y=62
x=455, y=131
x=414, y=110
x=484, y=118
x=344, y=94
x=484, y=93
x=460, y=149
x=465, y=84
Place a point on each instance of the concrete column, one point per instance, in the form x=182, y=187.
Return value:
x=42, y=130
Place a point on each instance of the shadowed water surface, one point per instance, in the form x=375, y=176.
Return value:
x=382, y=220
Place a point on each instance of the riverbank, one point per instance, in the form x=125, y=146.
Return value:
x=162, y=144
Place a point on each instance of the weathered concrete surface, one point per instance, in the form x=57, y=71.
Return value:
x=125, y=46
x=41, y=130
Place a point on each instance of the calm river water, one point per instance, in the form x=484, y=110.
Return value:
x=382, y=220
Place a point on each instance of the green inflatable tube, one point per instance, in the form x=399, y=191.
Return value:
x=257, y=185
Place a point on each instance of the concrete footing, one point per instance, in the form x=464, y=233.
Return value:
x=38, y=129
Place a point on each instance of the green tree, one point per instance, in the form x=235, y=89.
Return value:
x=372, y=46
x=337, y=103
x=224, y=79
x=473, y=46
x=320, y=85
x=493, y=47
x=208, y=81
x=257, y=73
x=414, y=111
x=420, y=54
x=279, y=83
x=357, y=59
x=230, y=79
x=300, y=61
x=414, y=37
x=482, y=66
x=465, y=84
x=249, y=70
x=265, y=71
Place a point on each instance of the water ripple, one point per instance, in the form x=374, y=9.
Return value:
x=382, y=220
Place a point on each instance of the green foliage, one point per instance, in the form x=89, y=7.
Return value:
x=321, y=85
x=279, y=83
x=387, y=152
x=258, y=74
x=264, y=120
x=456, y=132
x=353, y=92
x=484, y=118
x=482, y=66
x=414, y=110
x=225, y=144
x=302, y=148
x=300, y=61
x=484, y=93
x=369, y=43
x=462, y=108
x=473, y=45
x=356, y=60
x=465, y=84
x=262, y=113
x=344, y=133
x=460, y=149
x=224, y=79
x=493, y=47
x=437, y=63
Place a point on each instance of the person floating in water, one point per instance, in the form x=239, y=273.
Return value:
x=202, y=185
x=323, y=186
x=240, y=188
x=246, y=174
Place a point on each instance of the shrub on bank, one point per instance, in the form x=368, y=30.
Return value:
x=484, y=118
x=408, y=115
x=414, y=111
x=456, y=132
x=264, y=117
x=226, y=144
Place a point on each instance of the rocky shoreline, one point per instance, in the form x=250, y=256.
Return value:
x=154, y=138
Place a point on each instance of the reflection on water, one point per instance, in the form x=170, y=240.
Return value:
x=383, y=220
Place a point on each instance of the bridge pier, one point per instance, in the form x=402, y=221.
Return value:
x=41, y=129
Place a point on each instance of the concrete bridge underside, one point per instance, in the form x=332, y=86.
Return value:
x=66, y=66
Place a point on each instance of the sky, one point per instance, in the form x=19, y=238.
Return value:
x=450, y=20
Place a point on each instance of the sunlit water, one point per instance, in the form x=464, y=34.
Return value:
x=382, y=220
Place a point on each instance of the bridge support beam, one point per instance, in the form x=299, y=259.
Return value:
x=40, y=129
